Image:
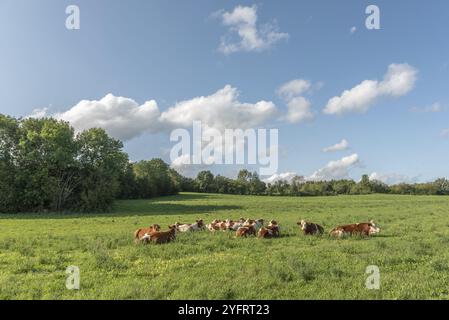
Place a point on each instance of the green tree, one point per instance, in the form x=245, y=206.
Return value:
x=102, y=163
x=9, y=140
x=155, y=178
x=442, y=186
x=205, y=181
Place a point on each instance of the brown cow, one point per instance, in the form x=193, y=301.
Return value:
x=245, y=231
x=139, y=233
x=159, y=237
x=274, y=227
x=214, y=225
x=269, y=232
x=310, y=228
x=363, y=229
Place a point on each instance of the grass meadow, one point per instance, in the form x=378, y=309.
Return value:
x=412, y=251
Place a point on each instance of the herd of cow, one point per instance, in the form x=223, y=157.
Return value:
x=248, y=227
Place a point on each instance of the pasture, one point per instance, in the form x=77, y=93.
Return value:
x=412, y=250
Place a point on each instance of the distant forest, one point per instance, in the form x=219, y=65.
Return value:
x=45, y=166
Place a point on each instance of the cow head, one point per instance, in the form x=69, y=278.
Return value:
x=373, y=228
x=249, y=221
x=156, y=227
x=229, y=223
x=302, y=224
x=200, y=223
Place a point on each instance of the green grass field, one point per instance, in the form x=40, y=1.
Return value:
x=412, y=251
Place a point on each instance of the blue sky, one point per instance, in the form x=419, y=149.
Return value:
x=169, y=51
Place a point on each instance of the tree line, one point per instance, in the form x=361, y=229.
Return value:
x=249, y=183
x=46, y=166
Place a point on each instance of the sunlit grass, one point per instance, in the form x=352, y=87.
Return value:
x=412, y=251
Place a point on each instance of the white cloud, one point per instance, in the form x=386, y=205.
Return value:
x=338, y=169
x=293, y=88
x=299, y=110
x=353, y=30
x=287, y=176
x=392, y=178
x=124, y=119
x=433, y=108
x=342, y=145
x=39, y=113
x=398, y=81
x=220, y=110
x=251, y=37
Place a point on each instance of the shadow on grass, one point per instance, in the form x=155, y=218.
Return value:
x=186, y=196
x=142, y=207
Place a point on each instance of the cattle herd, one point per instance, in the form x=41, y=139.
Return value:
x=248, y=227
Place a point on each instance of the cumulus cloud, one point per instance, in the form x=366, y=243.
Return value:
x=299, y=110
x=124, y=119
x=398, y=81
x=39, y=113
x=338, y=169
x=244, y=32
x=342, y=145
x=298, y=107
x=220, y=110
x=286, y=176
x=294, y=88
x=392, y=178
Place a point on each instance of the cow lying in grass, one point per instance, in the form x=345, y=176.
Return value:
x=159, y=237
x=215, y=225
x=362, y=229
x=188, y=227
x=271, y=231
x=228, y=224
x=310, y=228
x=274, y=227
x=234, y=225
x=245, y=231
x=250, y=227
x=140, y=233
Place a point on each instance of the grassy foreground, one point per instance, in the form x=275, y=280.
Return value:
x=412, y=251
